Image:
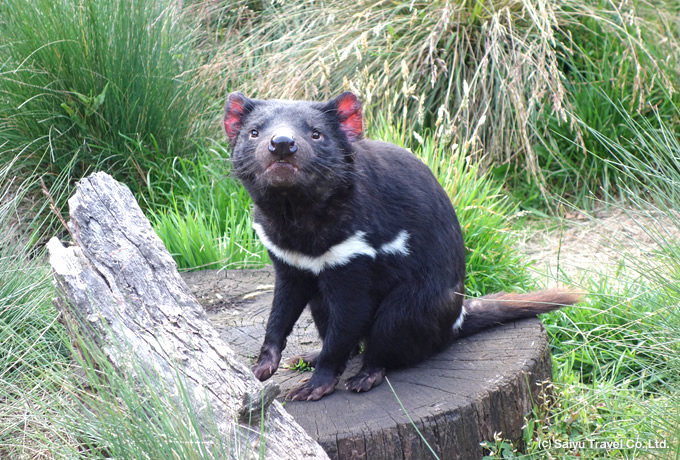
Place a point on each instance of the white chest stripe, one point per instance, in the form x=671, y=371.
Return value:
x=397, y=245
x=335, y=256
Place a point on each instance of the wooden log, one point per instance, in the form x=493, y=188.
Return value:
x=124, y=294
x=481, y=385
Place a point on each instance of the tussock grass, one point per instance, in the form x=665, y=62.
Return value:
x=96, y=85
x=607, y=53
x=33, y=346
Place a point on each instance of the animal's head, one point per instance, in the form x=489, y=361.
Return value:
x=292, y=145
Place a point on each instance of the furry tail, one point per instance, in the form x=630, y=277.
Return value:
x=489, y=310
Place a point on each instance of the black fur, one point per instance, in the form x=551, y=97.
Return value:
x=336, y=186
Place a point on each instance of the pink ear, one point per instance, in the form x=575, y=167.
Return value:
x=348, y=108
x=234, y=110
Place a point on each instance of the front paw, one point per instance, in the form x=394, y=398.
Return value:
x=313, y=389
x=267, y=363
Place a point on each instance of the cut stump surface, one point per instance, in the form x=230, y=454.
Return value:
x=479, y=386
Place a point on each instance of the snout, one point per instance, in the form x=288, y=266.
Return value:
x=282, y=164
x=282, y=144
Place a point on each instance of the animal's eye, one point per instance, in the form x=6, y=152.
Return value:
x=316, y=134
x=254, y=133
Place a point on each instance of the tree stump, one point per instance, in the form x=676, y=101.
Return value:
x=124, y=296
x=480, y=385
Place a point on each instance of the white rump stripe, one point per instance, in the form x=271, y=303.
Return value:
x=335, y=256
x=459, y=322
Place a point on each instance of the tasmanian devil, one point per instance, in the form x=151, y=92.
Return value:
x=362, y=232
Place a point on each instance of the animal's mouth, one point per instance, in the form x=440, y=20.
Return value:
x=281, y=173
x=283, y=163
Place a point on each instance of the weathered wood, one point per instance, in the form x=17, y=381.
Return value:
x=481, y=385
x=125, y=295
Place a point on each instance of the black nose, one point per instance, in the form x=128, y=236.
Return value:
x=282, y=145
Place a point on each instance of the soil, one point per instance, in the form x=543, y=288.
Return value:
x=581, y=245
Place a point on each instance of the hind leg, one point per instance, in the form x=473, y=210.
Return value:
x=367, y=378
x=309, y=358
x=406, y=332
